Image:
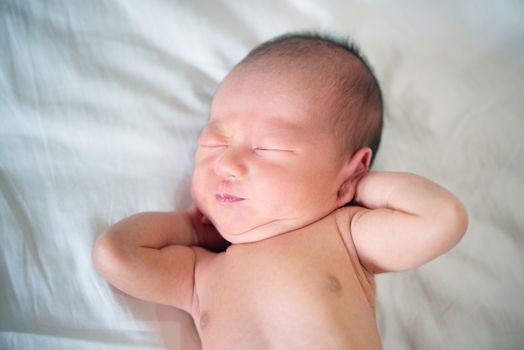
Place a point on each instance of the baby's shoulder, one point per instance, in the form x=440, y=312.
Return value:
x=343, y=217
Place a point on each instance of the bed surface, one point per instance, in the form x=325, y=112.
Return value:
x=100, y=106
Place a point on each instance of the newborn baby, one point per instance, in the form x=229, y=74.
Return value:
x=281, y=173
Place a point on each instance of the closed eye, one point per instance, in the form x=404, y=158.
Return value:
x=213, y=147
x=260, y=149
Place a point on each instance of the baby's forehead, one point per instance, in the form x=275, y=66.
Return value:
x=325, y=76
x=316, y=85
x=284, y=101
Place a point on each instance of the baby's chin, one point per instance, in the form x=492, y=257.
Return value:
x=236, y=233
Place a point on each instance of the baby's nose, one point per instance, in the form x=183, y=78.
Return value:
x=231, y=165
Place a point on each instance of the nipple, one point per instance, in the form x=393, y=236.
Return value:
x=333, y=283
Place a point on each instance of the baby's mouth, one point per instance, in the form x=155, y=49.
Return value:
x=227, y=198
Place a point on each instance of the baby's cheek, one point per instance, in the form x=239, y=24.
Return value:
x=198, y=185
x=310, y=188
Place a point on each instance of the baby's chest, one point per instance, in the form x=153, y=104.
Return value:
x=289, y=266
x=300, y=290
x=277, y=285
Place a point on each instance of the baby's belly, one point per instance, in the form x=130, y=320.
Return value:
x=273, y=298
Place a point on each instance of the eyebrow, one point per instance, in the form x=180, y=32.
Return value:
x=275, y=122
x=283, y=124
x=214, y=125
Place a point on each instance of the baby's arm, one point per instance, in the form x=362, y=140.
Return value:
x=409, y=221
x=148, y=255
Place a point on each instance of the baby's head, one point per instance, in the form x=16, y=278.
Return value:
x=293, y=128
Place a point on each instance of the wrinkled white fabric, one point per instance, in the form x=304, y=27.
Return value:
x=100, y=106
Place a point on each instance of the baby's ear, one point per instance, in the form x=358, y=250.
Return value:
x=353, y=171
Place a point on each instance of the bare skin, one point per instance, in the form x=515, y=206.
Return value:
x=301, y=290
x=299, y=274
x=305, y=289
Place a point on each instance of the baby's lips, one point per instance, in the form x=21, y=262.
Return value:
x=228, y=198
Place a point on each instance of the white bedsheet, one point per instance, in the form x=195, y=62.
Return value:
x=100, y=106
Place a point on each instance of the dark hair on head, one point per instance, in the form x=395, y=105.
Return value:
x=358, y=105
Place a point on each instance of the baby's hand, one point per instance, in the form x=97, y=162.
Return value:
x=207, y=235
